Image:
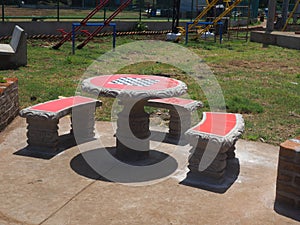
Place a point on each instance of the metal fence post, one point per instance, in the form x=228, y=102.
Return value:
x=2, y=10
x=57, y=16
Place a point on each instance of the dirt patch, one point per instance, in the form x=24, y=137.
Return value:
x=15, y=11
x=264, y=66
x=258, y=66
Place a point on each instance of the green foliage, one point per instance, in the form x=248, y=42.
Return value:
x=2, y=80
x=236, y=104
x=253, y=137
x=140, y=26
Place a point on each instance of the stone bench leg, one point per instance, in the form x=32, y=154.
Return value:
x=83, y=122
x=180, y=122
x=216, y=169
x=42, y=135
x=231, y=152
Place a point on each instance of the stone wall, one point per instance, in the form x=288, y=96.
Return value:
x=9, y=101
x=288, y=179
x=51, y=28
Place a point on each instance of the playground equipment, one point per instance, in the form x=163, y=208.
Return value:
x=106, y=23
x=227, y=3
x=203, y=13
x=210, y=5
x=67, y=36
x=291, y=15
x=74, y=25
x=83, y=22
x=205, y=34
x=218, y=18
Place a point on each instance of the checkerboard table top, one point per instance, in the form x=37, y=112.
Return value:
x=134, y=82
x=135, y=85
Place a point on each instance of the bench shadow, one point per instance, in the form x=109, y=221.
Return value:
x=81, y=164
x=287, y=211
x=212, y=185
x=65, y=142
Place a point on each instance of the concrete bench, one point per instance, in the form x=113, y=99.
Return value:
x=180, y=113
x=14, y=54
x=214, y=138
x=43, y=119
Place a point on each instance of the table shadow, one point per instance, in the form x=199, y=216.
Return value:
x=80, y=164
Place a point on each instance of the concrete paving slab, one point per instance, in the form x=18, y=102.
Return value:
x=64, y=189
x=31, y=188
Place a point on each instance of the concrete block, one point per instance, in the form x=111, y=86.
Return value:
x=282, y=39
x=288, y=41
x=14, y=54
x=262, y=37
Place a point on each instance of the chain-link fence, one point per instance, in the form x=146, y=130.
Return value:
x=78, y=9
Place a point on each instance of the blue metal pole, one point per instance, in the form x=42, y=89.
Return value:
x=221, y=31
x=186, y=33
x=114, y=36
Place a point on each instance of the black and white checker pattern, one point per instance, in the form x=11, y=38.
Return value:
x=134, y=81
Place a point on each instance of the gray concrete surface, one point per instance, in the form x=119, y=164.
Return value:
x=64, y=190
x=282, y=39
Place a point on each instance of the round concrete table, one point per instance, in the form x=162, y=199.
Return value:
x=133, y=92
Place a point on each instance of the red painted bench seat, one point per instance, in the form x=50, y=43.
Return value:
x=217, y=124
x=187, y=104
x=214, y=137
x=180, y=110
x=43, y=118
x=57, y=108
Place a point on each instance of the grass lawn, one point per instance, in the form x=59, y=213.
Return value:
x=261, y=83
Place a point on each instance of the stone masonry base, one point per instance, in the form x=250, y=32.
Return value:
x=9, y=101
x=288, y=176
